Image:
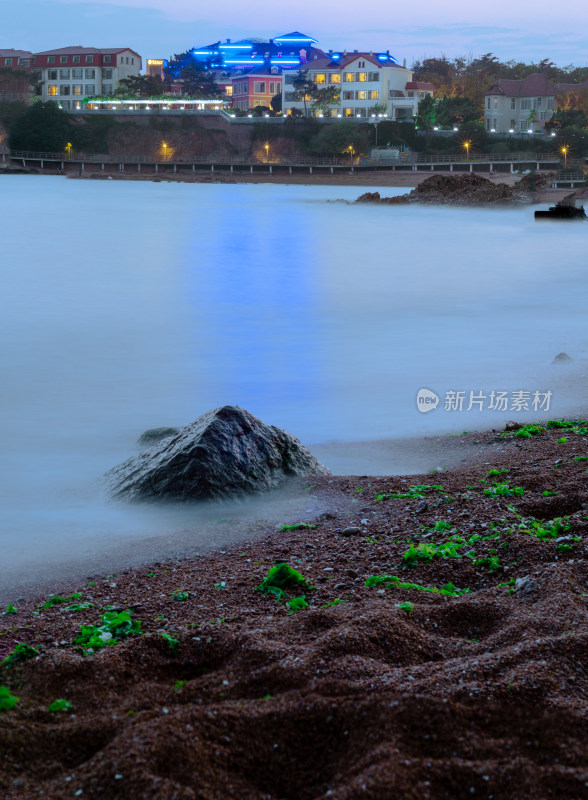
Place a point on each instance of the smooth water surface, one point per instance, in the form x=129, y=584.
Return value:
x=128, y=305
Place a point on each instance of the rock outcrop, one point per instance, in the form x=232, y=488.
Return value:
x=456, y=189
x=225, y=453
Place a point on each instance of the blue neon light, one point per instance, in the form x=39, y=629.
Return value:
x=295, y=40
x=202, y=52
x=235, y=47
x=244, y=61
x=285, y=61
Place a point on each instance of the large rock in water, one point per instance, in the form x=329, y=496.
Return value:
x=225, y=453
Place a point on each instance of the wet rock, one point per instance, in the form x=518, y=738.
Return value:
x=352, y=530
x=422, y=507
x=458, y=189
x=562, y=358
x=154, y=435
x=225, y=453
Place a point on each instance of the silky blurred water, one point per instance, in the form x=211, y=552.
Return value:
x=130, y=305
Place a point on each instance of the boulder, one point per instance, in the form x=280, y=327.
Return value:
x=562, y=358
x=225, y=453
x=154, y=435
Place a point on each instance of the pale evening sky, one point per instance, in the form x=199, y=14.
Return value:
x=523, y=30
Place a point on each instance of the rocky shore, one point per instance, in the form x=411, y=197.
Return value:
x=429, y=641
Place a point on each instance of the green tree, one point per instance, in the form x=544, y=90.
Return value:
x=42, y=128
x=141, y=86
x=338, y=138
x=276, y=103
x=452, y=110
x=427, y=114
x=324, y=97
x=303, y=88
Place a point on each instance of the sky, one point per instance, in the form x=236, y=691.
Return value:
x=524, y=31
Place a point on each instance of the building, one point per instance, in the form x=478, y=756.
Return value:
x=366, y=81
x=16, y=59
x=256, y=87
x=17, y=75
x=519, y=106
x=70, y=74
x=155, y=67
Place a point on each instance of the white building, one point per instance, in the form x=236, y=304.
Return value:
x=519, y=106
x=365, y=81
x=72, y=73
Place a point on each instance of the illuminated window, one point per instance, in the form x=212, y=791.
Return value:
x=348, y=77
x=335, y=77
x=361, y=77
x=320, y=77
x=229, y=91
x=77, y=88
x=52, y=91
x=373, y=94
x=348, y=112
x=361, y=95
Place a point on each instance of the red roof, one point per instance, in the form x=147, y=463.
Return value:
x=81, y=51
x=423, y=85
x=535, y=85
x=15, y=54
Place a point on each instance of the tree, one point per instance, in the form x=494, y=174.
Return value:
x=338, y=138
x=141, y=86
x=196, y=79
x=303, y=88
x=42, y=128
x=276, y=103
x=452, y=110
x=426, y=115
x=324, y=97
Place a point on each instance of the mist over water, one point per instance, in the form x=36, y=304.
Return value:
x=130, y=305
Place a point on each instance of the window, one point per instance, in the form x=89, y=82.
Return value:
x=488, y=102
x=348, y=77
x=538, y=103
x=77, y=89
x=107, y=88
x=513, y=124
x=545, y=115
x=495, y=103
x=90, y=73
x=107, y=59
x=272, y=88
x=107, y=73
x=51, y=59
x=550, y=102
x=320, y=77
x=77, y=72
x=76, y=59
x=361, y=64
x=89, y=59
x=525, y=125
x=127, y=59
x=513, y=104
x=64, y=90
x=258, y=87
x=361, y=95
x=8, y=62
x=373, y=76
x=52, y=91
x=373, y=94
x=63, y=59
x=347, y=95
x=64, y=103
x=335, y=77
x=487, y=124
x=63, y=74
x=348, y=112
x=361, y=77
x=24, y=62
x=90, y=89
x=360, y=112
x=525, y=103
x=132, y=60
x=228, y=91
x=289, y=79
x=52, y=74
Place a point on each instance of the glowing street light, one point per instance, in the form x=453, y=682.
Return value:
x=267, y=149
x=164, y=148
x=68, y=149
x=564, y=152
x=467, y=144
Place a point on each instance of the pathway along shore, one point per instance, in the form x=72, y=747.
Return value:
x=443, y=652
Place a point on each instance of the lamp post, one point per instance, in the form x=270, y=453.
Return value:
x=164, y=148
x=376, y=121
x=564, y=152
x=267, y=148
x=467, y=146
x=68, y=149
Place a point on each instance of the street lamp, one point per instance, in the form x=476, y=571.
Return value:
x=267, y=147
x=467, y=144
x=68, y=149
x=564, y=151
x=376, y=122
x=164, y=147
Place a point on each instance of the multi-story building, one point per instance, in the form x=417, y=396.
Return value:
x=256, y=87
x=16, y=59
x=17, y=75
x=155, y=67
x=365, y=81
x=519, y=106
x=72, y=73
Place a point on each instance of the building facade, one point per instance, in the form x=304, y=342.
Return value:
x=70, y=74
x=256, y=88
x=366, y=82
x=519, y=106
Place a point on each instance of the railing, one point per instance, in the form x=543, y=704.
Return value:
x=470, y=158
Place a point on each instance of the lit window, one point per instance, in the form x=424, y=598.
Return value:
x=361, y=95
x=335, y=77
x=348, y=77
x=77, y=89
x=52, y=91
x=361, y=77
x=373, y=94
x=229, y=91
x=320, y=77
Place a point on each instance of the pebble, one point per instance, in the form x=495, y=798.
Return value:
x=422, y=507
x=352, y=530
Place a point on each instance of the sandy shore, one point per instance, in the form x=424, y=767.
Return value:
x=442, y=652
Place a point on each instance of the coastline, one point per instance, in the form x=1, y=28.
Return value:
x=371, y=688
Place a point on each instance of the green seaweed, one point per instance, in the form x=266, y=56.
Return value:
x=115, y=626
x=299, y=526
x=172, y=642
x=282, y=578
x=393, y=581
x=22, y=652
x=503, y=490
x=60, y=705
x=180, y=595
x=297, y=603
x=7, y=700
